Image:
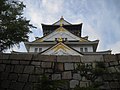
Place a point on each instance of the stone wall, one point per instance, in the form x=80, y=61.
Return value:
x=22, y=71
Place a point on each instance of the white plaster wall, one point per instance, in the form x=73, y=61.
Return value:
x=63, y=34
x=77, y=47
x=32, y=48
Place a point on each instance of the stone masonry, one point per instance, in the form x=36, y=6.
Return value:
x=21, y=71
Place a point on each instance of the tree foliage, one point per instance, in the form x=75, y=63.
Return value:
x=14, y=28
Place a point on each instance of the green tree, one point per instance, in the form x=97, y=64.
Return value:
x=14, y=28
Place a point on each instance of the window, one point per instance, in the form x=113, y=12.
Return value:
x=40, y=49
x=81, y=49
x=36, y=49
x=65, y=39
x=86, y=49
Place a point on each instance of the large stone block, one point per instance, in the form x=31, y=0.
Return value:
x=76, y=76
x=16, y=85
x=13, y=77
x=21, y=56
x=84, y=84
x=4, y=56
x=56, y=76
x=7, y=61
x=4, y=75
x=35, y=63
x=29, y=69
x=18, y=68
x=74, y=83
x=28, y=86
x=67, y=75
x=91, y=58
x=109, y=57
x=59, y=67
x=5, y=83
x=2, y=67
x=46, y=65
x=113, y=63
x=68, y=58
x=39, y=70
x=24, y=62
x=9, y=68
x=114, y=85
x=14, y=62
x=34, y=78
x=69, y=66
x=48, y=70
x=23, y=77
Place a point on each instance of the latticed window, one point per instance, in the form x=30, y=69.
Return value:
x=36, y=50
x=86, y=49
x=81, y=49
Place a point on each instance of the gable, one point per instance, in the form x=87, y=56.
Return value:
x=61, y=33
x=61, y=49
x=62, y=21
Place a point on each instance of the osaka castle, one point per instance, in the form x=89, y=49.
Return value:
x=63, y=38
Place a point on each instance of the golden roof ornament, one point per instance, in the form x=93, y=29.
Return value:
x=60, y=39
x=61, y=21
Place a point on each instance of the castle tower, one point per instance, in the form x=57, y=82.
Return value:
x=63, y=38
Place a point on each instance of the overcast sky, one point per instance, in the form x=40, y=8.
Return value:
x=100, y=18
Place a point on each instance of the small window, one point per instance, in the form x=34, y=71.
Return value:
x=65, y=39
x=36, y=49
x=40, y=49
x=55, y=39
x=81, y=49
x=86, y=49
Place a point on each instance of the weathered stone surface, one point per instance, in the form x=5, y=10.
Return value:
x=23, y=77
x=46, y=64
x=68, y=59
x=39, y=70
x=9, y=68
x=76, y=76
x=111, y=69
x=60, y=66
x=13, y=77
x=2, y=67
x=16, y=85
x=84, y=84
x=56, y=76
x=34, y=78
x=5, y=84
x=117, y=68
x=109, y=57
x=113, y=63
x=14, y=62
x=73, y=83
x=35, y=63
x=18, y=68
x=7, y=61
x=1, y=61
x=66, y=75
x=28, y=86
x=84, y=78
x=91, y=58
x=4, y=56
x=24, y=62
x=48, y=70
x=29, y=69
x=4, y=75
x=21, y=56
x=69, y=66
x=114, y=85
